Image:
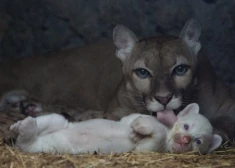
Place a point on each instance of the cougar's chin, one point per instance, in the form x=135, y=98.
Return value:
x=153, y=105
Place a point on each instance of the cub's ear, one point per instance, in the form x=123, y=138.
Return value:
x=191, y=108
x=190, y=34
x=124, y=39
x=215, y=143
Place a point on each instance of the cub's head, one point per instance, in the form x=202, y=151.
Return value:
x=158, y=71
x=190, y=131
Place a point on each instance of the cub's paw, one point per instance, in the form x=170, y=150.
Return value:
x=135, y=137
x=15, y=127
x=27, y=129
x=142, y=125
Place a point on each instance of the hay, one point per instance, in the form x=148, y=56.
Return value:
x=12, y=158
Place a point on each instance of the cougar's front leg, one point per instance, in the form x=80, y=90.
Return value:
x=20, y=101
x=11, y=100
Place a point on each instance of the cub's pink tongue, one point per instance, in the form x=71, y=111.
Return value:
x=167, y=117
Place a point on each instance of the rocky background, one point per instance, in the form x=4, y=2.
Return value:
x=29, y=27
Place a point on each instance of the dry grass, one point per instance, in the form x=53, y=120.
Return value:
x=11, y=158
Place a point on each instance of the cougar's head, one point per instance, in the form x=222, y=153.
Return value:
x=159, y=70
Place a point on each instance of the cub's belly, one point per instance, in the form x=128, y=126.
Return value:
x=102, y=139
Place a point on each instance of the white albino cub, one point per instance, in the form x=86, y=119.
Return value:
x=53, y=133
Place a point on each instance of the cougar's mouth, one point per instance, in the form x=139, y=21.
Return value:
x=154, y=113
x=154, y=106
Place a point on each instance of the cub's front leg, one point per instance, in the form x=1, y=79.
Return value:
x=149, y=134
x=144, y=125
x=140, y=127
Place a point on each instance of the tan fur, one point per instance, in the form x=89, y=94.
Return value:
x=91, y=78
x=81, y=77
x=160, y=63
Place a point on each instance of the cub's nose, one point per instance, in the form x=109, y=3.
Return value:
x=164, y=100
x=185, y=140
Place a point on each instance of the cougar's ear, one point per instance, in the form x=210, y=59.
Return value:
x=191, y=108
x=216, y=141
x=124, y=39
x=190, y=35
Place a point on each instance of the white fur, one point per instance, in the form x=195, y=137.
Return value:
x=53, y=133
x=199, y=129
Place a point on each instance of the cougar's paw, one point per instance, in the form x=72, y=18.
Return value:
x=11, y=100
x=31, y=107
x=142, y=125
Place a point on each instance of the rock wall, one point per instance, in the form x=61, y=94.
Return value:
x=29, y=27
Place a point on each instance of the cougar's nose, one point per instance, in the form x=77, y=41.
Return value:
x=164, y=100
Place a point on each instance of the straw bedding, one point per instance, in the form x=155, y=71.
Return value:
x=12, y=158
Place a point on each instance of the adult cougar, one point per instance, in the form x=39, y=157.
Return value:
x=168, y=72
x=157, y=74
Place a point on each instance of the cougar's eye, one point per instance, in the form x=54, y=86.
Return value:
x=186, y=126
x=142, y=73
x=180, y=70
x=198, y=141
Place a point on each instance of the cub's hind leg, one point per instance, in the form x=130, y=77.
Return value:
x=41, y=125
x=50, y=123
x=26, y=129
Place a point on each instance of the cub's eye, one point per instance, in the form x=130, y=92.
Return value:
x=142, y=73
x=186, y=126
x=198, y=141
x=180, y=70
